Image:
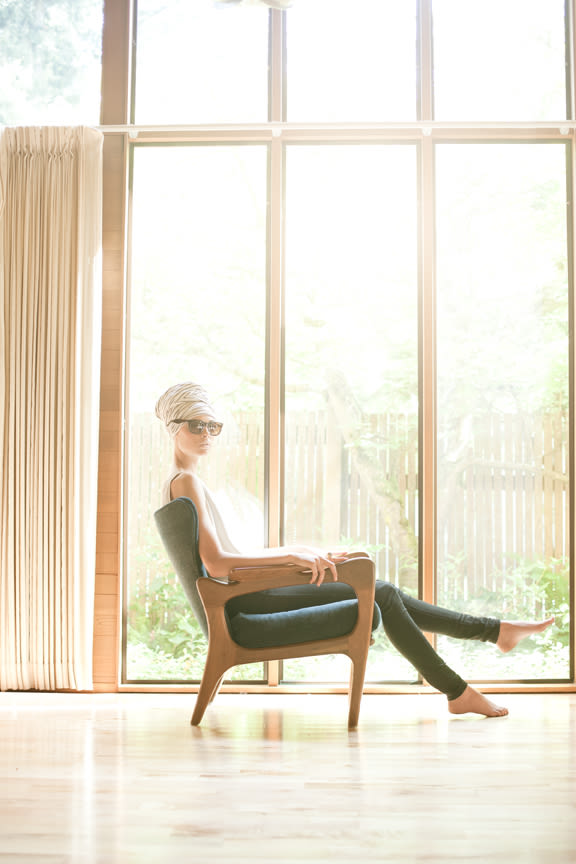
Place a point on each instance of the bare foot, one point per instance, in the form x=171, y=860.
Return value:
x=512, y=632
x=471, y=701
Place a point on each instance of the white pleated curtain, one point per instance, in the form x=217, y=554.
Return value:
x=50, y=329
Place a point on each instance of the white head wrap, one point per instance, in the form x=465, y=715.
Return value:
x=185, y=401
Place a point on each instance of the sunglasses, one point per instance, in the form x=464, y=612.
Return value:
x=197, y=427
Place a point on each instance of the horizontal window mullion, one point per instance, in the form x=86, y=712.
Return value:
x=343, y=133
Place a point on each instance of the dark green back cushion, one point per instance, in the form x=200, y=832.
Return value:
x=177, y=524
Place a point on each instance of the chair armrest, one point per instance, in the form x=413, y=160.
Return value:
x=358, y=572
x=251, y=574
x=284, y=572
x=358, y=555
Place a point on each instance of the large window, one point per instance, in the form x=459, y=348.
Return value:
x=50, y=62
x=376, y=294
x=365, y=69
x=351, y=369
x=200, y=62
x=499, y=60
x=198, y=304
x=503, y=490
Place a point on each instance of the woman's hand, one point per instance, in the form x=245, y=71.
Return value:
x=316, y=561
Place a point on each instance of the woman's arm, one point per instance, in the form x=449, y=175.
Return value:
x=219, y=563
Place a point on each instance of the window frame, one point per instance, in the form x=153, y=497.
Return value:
x=117, y=94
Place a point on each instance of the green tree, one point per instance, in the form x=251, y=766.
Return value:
x=50, y=61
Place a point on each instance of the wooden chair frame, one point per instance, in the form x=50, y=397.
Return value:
x=223, y=652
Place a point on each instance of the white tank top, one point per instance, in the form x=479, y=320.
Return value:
x=211, y=507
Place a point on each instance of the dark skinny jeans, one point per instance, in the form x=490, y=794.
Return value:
x=403, y=617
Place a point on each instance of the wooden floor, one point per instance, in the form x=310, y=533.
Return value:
x=266, y=778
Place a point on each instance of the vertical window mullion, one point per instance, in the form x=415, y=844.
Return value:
x=276, y=67
x=424, y=62
x=427, y=375
x=571, y=235
x=274, y=318
x=274, y=347
x=569, y=58
x=427, y=324
x=274, y=495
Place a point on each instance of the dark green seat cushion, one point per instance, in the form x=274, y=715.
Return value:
x=268, y=630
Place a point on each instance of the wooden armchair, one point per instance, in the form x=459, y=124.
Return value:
x=343, y=627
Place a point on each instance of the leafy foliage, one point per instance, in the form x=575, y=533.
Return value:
x=166, y=643
x=50, y=61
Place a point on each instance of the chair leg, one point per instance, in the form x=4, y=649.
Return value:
x=216, y=689
x=357, y=673
x=211, y=680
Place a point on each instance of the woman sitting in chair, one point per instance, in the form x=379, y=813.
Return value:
x=192, y=424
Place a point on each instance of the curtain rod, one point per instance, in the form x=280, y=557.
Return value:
x=564, y=127
x=276, y=128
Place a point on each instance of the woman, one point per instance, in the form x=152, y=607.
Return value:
x=192, y=424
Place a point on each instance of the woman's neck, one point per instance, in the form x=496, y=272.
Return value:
x=185, y=462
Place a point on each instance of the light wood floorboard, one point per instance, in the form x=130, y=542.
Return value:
x=124, y=778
